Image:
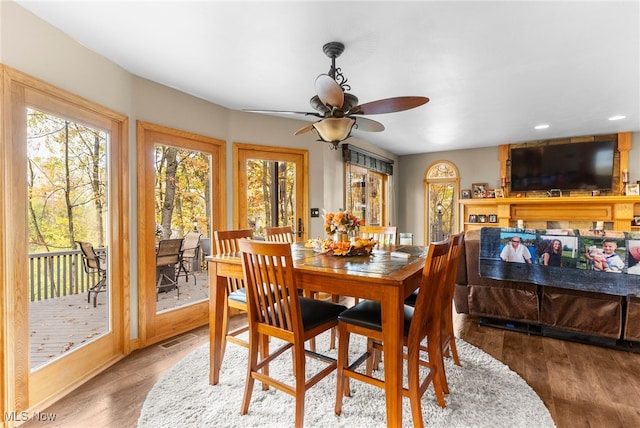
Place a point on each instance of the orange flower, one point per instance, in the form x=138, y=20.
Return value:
x=342, y=221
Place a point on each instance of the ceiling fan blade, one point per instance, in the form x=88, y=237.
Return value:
x=389, y=105
x=329, y=92
x=364, y=124
x=304, y=113
x=304, y=129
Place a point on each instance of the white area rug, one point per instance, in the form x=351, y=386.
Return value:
x=483, y=393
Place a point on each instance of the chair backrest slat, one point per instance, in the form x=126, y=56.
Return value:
x=279, y=234
x=455, y=252
x=272, y=292
x=385, y=235
x=226, y=241
x=428, y=303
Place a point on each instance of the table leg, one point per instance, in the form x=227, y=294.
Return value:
x=392, y=331
x=217, y=313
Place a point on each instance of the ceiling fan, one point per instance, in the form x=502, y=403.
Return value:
x=339, y=111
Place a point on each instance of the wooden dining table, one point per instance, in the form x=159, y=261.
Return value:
x=380, y=276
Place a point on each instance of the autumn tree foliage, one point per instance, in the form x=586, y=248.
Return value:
x=182, y=193
x=67, y=183
x=270, y=194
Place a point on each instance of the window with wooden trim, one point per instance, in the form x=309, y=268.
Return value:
x=441, y=190
x=366, y=185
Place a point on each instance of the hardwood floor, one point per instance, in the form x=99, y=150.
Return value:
x=581, y=385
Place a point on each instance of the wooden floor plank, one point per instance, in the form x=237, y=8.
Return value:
x=536, y=374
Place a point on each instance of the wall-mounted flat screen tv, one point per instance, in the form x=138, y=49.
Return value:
x=572, y=166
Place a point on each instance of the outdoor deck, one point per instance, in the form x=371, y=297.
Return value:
x=59, y=325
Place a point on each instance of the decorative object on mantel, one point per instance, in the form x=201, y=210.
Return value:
x=632, y=189
x=339, y=111
x=484, y=393
x=479, y=190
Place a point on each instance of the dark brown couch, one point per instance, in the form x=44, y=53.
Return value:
x=545, y=307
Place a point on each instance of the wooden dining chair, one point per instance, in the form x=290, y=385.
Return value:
x=385, y=235
x=448, y=338
x=453, y=264
x=275, y=309
x=226, y=243
x=420, y=322
x=279, y=234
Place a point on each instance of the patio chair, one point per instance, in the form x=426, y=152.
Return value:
x=190, y=252
x=167, y=258
x=94, y=264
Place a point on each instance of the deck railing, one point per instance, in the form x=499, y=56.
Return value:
x=59, y=273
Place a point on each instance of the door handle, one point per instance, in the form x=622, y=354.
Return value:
x=299, y=228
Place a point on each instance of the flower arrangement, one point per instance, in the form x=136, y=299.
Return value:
x=355, y=247
x=342, y=221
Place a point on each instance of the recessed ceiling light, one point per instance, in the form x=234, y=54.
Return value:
x=543, y=126
x=617, y=117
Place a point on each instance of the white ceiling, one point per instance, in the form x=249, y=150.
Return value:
x=492, y=70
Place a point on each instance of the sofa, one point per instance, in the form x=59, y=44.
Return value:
x=547, y=309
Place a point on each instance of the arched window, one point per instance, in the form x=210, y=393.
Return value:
x=441, y=185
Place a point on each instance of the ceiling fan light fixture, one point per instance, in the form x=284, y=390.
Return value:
x=334, y=129
x=339, y=111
